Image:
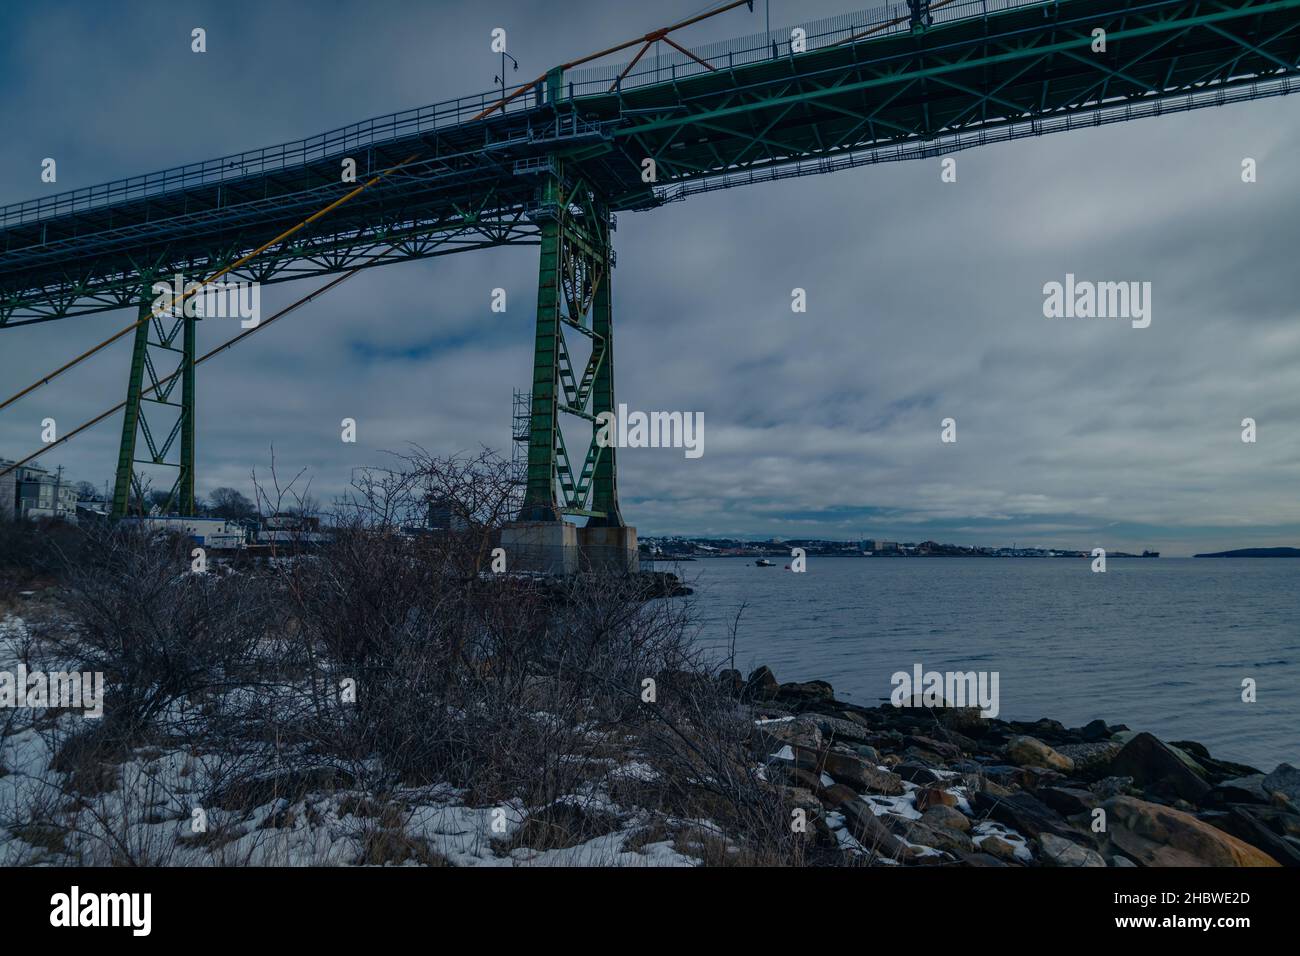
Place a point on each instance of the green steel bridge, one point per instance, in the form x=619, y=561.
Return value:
x=551, y=163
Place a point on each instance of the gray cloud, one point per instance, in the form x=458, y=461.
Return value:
x=924, y=298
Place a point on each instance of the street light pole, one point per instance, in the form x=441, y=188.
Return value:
x=502, y=77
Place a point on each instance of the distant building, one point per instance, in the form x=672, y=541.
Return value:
x=93, y=509
x=446, y=515
x=287, y=521
x=39, y=493
x=215, y=533
x=879, y=547
x=291, y=530
x=8, y=492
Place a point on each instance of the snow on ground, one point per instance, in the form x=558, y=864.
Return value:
x=988, y=828
x=153, y=815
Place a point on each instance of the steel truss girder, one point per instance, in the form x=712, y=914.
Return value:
x=469, y=197
x=315, y=255
x=888, y=94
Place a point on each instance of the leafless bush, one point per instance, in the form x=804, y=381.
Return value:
x=159, y=632
x=512, y=686
x=387, y=658
x=32, y=551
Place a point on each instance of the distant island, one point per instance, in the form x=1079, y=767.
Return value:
x=1255, y=553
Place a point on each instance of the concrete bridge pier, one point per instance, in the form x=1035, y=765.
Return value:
x=560, y=547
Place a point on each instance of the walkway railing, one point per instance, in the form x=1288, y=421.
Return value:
x=356, y=137
x=881, y=21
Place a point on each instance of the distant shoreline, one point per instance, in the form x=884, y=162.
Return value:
x=670, y=558
x=679, y=546
x=777, y=553
x=1253, y=553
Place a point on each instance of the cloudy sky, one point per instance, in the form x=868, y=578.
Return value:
x=924, y=298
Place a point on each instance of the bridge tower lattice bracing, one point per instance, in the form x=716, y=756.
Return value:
x=573, y=293
x=163, y=350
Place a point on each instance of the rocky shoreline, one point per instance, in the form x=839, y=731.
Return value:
x=945, y=786
x=718, y=769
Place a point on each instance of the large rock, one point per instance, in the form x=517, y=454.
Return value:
x=1284, y=780
x=1156, y=767
x=770, y=735
x=789, y=757
x=1283, y=820
x=998, y=848
x=916, y=773
x=1111, y=787
x=868, y=753
x=1213, y=769
x=732, y=682
x=1068, y=801
x=1241, y=790
x=965, y=720
x=927, y=797
x=801, y=798
x=1095, y=730
x=945, y=750
x=802, y=777
x=857, y=773
x=938, y=838
x=761, y=685
x=1023, y=813
x=1089, y=757
x=837, y=795
x=1245, y=824
x=1032, y=752
x=1058, y=851
x=841, y=730
x=868, y=830
x=806, y=692
x=1155, y=835
x=946, y=818
x=992, y=788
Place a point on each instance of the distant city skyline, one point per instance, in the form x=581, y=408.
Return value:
x=915, y=537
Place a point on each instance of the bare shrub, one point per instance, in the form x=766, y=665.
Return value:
x=35, y=552
x=514, y=686
x=575, y=700
x=158, y=632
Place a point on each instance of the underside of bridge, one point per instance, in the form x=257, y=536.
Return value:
x=552, y=163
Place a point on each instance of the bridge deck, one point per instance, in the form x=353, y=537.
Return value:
x=866, y=82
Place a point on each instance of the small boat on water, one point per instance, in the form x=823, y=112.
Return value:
x=764, y=563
